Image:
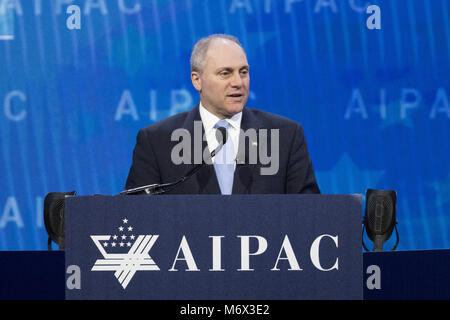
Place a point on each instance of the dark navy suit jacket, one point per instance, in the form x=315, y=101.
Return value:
x=152, y=158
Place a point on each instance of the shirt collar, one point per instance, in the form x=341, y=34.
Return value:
x=209, y=120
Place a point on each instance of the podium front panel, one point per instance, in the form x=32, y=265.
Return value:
x=215, y=247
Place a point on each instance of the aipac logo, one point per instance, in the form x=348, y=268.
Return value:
x=125, y=254
x=115, y=258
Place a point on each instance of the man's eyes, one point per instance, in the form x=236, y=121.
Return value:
x=226, y=73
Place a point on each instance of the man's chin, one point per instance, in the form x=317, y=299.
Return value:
x=226, y=110
x=233, y=109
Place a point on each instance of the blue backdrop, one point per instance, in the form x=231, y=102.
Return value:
x=374, y=103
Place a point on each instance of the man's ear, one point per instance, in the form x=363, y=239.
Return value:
x=196, y=81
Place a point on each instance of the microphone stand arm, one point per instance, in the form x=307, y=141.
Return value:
x=154, y=189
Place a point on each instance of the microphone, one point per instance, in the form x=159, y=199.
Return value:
x=380, y=217
x=154, y=189
x=54, y=208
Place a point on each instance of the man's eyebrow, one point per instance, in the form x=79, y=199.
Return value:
x=231, y=68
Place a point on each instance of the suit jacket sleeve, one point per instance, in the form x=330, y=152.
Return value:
x=300, y=174
x=144, y=169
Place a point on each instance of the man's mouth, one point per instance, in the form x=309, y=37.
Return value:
x=235, y=95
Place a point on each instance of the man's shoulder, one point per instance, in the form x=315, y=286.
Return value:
x=168, y=124
x=271, y=120
x=263, y=118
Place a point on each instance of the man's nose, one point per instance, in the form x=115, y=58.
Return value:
x=236, y=80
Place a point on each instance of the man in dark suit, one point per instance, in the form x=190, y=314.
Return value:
x=220, y=73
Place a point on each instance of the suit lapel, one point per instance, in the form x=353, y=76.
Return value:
x=243, y=175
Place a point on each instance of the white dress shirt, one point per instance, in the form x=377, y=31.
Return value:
x=209, y=121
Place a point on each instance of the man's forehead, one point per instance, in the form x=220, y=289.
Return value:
x=225, y=53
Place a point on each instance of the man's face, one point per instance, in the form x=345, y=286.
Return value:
x=224, y=81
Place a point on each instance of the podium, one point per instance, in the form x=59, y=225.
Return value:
x=210, y=226
x=201, y=247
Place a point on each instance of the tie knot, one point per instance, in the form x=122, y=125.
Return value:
x=222, y=123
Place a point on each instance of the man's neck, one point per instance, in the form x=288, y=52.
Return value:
x=218, y=115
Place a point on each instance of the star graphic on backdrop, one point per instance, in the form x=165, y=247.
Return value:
x=348, y=177
x=442, y=188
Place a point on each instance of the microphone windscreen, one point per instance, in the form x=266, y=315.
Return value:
x=381, y=209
